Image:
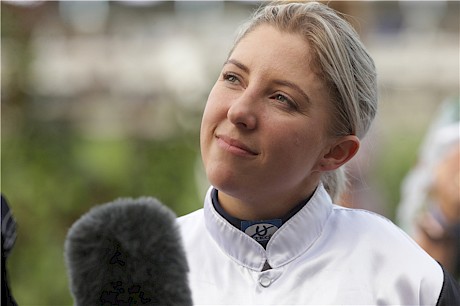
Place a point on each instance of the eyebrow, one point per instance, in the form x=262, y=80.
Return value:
x=279, y=82
x=237, y=64
x=294, y=87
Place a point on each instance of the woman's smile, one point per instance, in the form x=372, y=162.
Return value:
x=235, y=146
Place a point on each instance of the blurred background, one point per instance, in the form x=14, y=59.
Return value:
x=103, y=99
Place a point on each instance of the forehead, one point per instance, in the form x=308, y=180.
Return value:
x=280, y=54
x=265, y=40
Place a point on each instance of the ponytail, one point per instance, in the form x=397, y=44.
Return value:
x=335, y=182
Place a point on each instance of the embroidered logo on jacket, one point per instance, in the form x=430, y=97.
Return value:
x=261, y=231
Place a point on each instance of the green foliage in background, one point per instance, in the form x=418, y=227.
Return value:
x=51, y=176
x=399, y=156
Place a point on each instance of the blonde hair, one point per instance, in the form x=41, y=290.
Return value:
x=339, y=58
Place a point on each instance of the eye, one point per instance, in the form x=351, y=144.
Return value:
x=230, y=78
x=282, y=98
x=285, y=100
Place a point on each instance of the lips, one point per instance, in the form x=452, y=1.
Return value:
x=235, y=146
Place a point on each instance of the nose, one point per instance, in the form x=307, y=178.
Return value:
x=243, y=112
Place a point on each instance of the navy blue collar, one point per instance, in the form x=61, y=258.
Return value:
x=243, y=225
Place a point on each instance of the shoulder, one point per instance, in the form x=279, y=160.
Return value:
x=369, y=224
x=397, y=262
x=191, y=224
x=191, y=217
x=377, y=232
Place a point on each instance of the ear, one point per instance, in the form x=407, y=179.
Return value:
x=341, y=151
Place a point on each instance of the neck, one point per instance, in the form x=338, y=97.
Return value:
x=263, y=207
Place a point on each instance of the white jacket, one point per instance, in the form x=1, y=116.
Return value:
x=323, y=255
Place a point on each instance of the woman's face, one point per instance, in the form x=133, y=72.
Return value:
x=264, y=128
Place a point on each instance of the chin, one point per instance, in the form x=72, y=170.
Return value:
x=222, y=180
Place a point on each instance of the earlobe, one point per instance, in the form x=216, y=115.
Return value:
x=340, y=152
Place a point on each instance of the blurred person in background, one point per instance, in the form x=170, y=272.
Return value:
x=430, y=198
x=439, y=224
x=8, y=239
x=295, y=96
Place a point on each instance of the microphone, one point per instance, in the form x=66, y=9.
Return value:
x=127, y=252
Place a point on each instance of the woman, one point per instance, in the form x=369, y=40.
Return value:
x=296, y=94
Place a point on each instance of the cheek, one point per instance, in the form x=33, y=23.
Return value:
x=208, y=113
x=215, y=108
x=212, y=115
x=205, y=134
x=298, y=140
x=286, y=149
x=307, y=146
